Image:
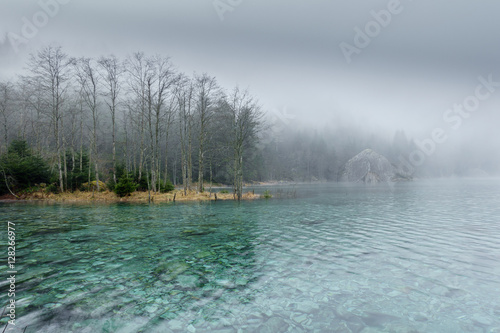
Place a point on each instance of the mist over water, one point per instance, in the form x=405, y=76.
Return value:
x=370, y=130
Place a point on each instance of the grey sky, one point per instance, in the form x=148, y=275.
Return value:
x=288, y=54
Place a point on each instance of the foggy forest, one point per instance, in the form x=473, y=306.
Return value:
x=98, y=119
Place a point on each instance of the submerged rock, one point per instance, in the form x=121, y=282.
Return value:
x=370, y=167
x=170, y=270
x=187, y=281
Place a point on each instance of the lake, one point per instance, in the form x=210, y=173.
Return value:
x=412, y=257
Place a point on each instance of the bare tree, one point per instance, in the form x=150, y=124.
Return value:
x=207, y=92
x=165, y=79
x=150, y=96
x=6, y=109
x=245, y=117
x=184, y=92
x=158, y=84
x=88, y=79
x=112, y=72
x=31, y=99
x=138, y=74
x=49, y=72
x=169, y=120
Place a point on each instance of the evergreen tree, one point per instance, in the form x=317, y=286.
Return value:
x=20, y=169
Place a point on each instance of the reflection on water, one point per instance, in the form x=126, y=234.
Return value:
x=417, y=257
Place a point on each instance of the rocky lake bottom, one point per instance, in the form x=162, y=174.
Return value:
x=410, y=257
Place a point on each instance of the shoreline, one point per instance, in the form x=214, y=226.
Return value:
x=176, y=195
x=136, y=197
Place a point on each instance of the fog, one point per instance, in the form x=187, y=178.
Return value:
x=306, y=61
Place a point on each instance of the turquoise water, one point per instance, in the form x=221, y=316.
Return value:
x=414, y=257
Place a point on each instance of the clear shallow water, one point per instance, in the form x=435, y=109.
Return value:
x=416, y=257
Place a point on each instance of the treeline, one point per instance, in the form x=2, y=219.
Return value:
x=294, y=153
x=95, y=119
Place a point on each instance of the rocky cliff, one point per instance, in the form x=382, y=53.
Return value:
x=370, y=167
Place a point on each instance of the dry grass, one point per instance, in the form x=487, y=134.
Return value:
x=107, y=196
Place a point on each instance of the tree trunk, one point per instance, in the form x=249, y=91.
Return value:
x=189, y=157
x=114, y=147
x=58, y=152
x=96, y=164
x=65, y=164
x=200, y=169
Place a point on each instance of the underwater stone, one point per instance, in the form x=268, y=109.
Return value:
x=307, y=307
x=203, y=254
x=151, y=308
x=420, y=317
x=274, y=325
x=226, y=283
x=171, y=270
x=299, y=317
x=175, y=324
x=187, y=280
x=394, y=293
x=439, y=290
x=480, y=319
x=241, y=282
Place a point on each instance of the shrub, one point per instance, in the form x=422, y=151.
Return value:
x=166, y=186
x=267, y=194
x=142, y=184
x=125, y=186
x=52, y=188
x=121, y=170
x=111, y=185
x=20, y=169
x=224, y=191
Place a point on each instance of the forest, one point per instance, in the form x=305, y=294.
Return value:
x=76, y=123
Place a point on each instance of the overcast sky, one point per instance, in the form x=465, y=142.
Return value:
x=427, y=57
